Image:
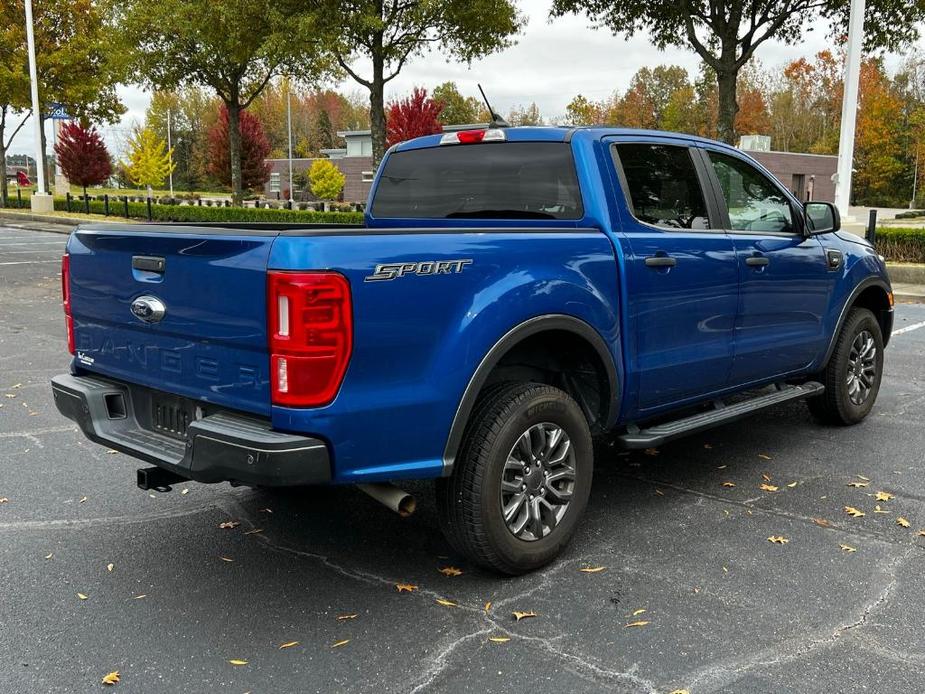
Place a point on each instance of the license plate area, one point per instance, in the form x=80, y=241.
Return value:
x=172, y=416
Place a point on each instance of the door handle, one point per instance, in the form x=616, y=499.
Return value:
x=660, y=261
x=757, y=261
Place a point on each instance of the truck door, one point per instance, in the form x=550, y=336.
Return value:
x=784, y=277
x=681, y=280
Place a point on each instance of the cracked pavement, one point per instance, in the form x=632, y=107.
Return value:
x=728, y=611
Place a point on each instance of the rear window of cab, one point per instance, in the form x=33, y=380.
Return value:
x=503, y=180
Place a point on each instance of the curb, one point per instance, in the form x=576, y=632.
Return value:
x=910, y=273
x=44, y=218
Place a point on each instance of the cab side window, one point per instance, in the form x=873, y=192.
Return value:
x=754, y=203
x=663, y=186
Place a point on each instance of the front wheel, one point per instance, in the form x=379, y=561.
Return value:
x=852, y=376
x=522, y=478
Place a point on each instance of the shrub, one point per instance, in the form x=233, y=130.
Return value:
x=901, y=244
x=326, y=180
x=193, y=214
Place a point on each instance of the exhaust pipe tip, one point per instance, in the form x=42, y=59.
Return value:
x=390, y=496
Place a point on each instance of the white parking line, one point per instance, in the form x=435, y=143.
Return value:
x=909, y=328
x=35, y=262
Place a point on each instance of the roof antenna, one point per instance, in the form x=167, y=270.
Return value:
x=496, y=120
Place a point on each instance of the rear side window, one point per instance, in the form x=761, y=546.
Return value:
x=663, y=186
x=508, y=180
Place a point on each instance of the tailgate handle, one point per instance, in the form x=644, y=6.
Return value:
x=151, y=263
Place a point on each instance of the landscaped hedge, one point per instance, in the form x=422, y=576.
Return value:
x=194, y=213
x=901, y=245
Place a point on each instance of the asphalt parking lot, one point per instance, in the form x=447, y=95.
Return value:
x=171, y=597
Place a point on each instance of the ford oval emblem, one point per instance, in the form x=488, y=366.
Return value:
x=149, y=309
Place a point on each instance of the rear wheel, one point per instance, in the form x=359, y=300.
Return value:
x=852, y=376
x=522, y=478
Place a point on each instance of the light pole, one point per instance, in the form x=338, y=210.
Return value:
x=289, y=128
x=41, y=201
x=849, y=107
x=170, y=152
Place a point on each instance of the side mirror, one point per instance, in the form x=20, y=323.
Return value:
x=821, y=218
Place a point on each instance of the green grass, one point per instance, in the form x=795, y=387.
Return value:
x=901, y=244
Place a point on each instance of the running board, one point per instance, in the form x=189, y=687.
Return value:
x=652, y=437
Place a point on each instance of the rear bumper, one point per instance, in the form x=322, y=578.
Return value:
x=219, y=446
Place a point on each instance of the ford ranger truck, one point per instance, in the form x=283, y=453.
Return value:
x=512, y=293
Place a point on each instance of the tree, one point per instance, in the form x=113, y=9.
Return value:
x=83, y=156
x=878, y=154
x=529, y=115
x=457, y=109
x=389, y=32
x=73, y=51
x=254, y=150
x=725, y=35
x=325, y=180
x=412, y=117
x=235, y=47
x=149, y=159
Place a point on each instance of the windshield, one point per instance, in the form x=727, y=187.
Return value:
x=508, y=180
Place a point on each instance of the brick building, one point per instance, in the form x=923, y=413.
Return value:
x=808, y=176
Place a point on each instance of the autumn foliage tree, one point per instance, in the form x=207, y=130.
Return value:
x=150, y=162
x=254, y=150
x=412, y=117
x=83, y=156
x=325, y=179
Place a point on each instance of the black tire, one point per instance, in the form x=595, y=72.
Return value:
x=469, y=501
x=835, y=405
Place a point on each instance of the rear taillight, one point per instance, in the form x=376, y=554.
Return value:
x=66, y=299
x=310, y=335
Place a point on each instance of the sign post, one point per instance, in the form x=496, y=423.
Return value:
x=849, y=108
x=41, y=201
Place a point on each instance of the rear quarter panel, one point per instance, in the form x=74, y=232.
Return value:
x=419, y=339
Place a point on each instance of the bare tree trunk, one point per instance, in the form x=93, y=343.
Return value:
x=44, y=162
x=4, y=188
x=728, y=107
x=377, y=108
x=234, y=145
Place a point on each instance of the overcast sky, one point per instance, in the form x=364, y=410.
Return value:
x=550, y=64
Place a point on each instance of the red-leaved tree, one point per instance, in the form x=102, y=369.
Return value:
x=254, y=150
x=83, y=156
x=412, y=116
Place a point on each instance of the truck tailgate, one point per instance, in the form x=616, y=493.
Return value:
x=210, y=343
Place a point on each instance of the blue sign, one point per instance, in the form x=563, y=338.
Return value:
x=58, y=112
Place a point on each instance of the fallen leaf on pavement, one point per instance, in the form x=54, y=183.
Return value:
x=338, y=644
x=237, y=661
x=792, y=484
x=821, y=522
x=82, y=499
x=764, y=456
x=110, y=567
x=592, y=569
x=227, y=525
x=228, y=559
x=884, y=496
x=638, y=612
x=680, y=691
x=14, y=387
x=651, y=451
x=288, y=644
x=768, y=488
x=111, y=678
x=405, y=587
x=446, y=603
x=853, y=512
x=140, y=597
x=254, y=531
x=902, y=521
x=729, y=484
x=4, y=500
x=345, y=617
x=659, y=492
x=766, y=477
x=861, y=477
x=81, y=596
x=858, y=485
x=450, y=571
x=848, y=548
x=640, y=623
x=49, y=555
x=499, y=639
x=877, y=509
x=778, y=539
x=487, y=607
x=184, y=492
x=523, y=615
x=264, y=510
x=707, y=446
x=112, y=451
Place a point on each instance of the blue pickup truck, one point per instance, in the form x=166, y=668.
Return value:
x=513, y=293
